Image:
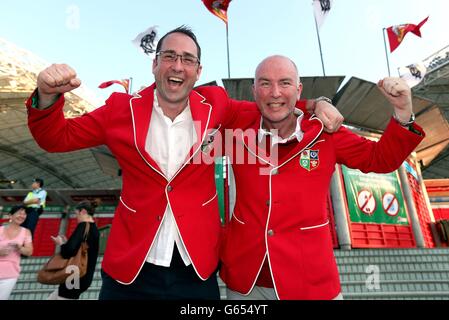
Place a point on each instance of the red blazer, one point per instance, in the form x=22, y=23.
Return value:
x=122, y=125
x=282, y=211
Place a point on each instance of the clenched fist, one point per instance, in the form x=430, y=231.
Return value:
x=399, y=94
x=54, y=80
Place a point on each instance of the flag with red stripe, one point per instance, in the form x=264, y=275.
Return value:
x=218, y=8
x=397, y=33
x=124, y=83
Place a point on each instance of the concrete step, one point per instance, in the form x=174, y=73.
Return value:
x=403, y=274
x=396, y=286
x=395, y=267
x=391, y=252
x=392, y=259
x=410, y=295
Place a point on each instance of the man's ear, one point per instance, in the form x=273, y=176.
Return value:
x=154, y=64
x=298, y=96
x=198, y=72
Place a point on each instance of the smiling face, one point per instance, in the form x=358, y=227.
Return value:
x=175, y=80
x=19, y=217
x=276, y=90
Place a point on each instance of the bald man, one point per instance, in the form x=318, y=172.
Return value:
x=278, y=244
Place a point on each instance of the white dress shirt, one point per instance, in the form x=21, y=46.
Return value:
x=275, y=139
x=168, y=143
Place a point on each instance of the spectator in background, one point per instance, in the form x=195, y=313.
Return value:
x=14, y=242
x=35, y=204
x=84, y=211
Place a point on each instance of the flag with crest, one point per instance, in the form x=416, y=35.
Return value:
x=397, y=33
x=321, y=9
x=218, y=8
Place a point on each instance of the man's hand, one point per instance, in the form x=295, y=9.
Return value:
x=399, y=94
x=56, y=79
x=328, y=114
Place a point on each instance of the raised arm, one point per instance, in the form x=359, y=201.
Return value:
x=46, y=119
x=396, y=143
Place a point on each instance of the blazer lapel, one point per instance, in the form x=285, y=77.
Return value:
x=312, y=129
x=250, y=140
x=201, y=114
x=141, y=109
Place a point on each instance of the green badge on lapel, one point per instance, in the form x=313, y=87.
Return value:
x=309, y=159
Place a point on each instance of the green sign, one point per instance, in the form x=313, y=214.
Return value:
x=374, y=198
x=219, y=184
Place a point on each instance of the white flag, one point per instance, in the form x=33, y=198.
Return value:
x=321, y=9
x=147, y=41
x=413, y=74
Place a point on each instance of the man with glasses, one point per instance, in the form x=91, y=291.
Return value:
x=165, y=235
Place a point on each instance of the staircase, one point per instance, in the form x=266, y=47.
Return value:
x=402, y=274
x=388, y=274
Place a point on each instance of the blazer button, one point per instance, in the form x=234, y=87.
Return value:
x=169, y=188
x=270, y=233
x=267, y=203
x=159, y=218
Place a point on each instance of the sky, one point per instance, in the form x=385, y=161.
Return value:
x=94, y=37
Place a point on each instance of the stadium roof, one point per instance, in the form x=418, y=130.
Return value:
x=20, y=157
x=435, y=87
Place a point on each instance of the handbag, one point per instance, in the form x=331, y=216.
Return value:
x=55, y=270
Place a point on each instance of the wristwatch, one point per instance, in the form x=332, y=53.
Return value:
x=407, y=123
x=322, y=98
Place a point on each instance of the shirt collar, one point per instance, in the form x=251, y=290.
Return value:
x=298, y=134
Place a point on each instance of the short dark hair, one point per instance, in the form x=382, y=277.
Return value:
x=87, y=205
x=16, y=208
x=40, y=181
x=184, y=30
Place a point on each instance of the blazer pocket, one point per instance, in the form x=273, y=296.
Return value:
x=126, y=206
x=315, y=226
x=210, y=200
x=237, y=219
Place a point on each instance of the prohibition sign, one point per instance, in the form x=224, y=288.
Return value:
x=390, y=204
x=366, y=202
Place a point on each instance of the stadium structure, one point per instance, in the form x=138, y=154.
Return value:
x=408, y=243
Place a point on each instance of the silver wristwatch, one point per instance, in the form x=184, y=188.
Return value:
x=322, y=98
x=407, y=123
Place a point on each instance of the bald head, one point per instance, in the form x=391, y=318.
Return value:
x=277, y=61
x=276, y=90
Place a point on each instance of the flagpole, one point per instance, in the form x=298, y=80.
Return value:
x=227, y=46
x=386, y=52
x=319, y=44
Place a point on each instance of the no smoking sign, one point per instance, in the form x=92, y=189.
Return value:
x=366, y=202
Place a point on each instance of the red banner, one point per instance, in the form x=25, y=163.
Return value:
x=124, y=83
x=218, y=8
x=397, y=33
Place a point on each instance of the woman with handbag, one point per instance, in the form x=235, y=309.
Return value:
x=14, y=242
x=84, y=211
